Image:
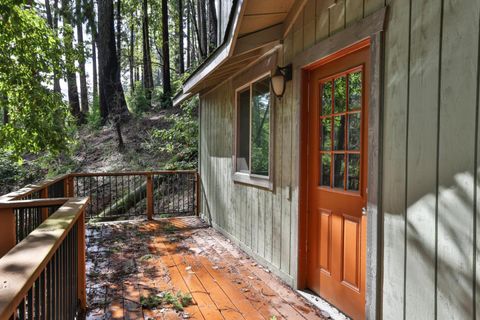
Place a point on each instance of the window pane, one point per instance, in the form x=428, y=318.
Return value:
x=354, y=122
x=340, y=92
x=339, y=133
x=327, y=98
x=243, y=130
x=325, y=170
x=260, y=127
x=355, y=91
x=353, y=178
x=338, y=170
x=326, y=138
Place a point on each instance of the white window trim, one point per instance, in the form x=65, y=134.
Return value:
x=265, y=182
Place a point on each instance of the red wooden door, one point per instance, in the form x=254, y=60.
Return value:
x=337, y=181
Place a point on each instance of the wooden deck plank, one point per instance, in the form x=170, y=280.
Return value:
x=182, y=255
x=249, y=278
x=206, y=305
x=265, y=278
x=213, y=287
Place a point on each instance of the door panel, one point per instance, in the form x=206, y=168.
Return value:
x=337, y=181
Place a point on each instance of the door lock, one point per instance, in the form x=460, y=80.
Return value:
x=364, y=211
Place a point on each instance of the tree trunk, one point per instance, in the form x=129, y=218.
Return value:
x=167, y=89
x=5, y=115
x=147, y=59
x=95, y=68
x=189, y=32
x=53, y=23
x=119, y=30
x=181, y=63
x=93, y=31
x=202, y=17
x=73, y=99
x=212, y=39
x=81, y=61
x=112, y=98
x=131, y=54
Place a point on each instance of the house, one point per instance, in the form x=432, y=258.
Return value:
x=358, y=180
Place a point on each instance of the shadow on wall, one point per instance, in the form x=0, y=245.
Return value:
x=440, y=242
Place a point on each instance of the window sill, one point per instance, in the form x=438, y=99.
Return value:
x=244, y=178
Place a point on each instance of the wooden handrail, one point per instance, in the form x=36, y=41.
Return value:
x=129, y=173
x=24, y=263
x=33, y=203
x=31, y=188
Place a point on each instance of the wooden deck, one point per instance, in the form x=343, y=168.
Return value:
x=128, y=260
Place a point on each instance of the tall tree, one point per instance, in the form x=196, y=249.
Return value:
x=167, y=88
x=73, y=99
x=212, y=21
x=92, y=28
x=81, y=60
x=131, y=55
x=181, y=63
x=53, y=23
x=112, y=98
x=147, y=58
x=202, y=18
x=189, y=33
x=119, y=29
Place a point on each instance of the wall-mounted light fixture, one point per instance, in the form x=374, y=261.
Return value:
x=280, y=78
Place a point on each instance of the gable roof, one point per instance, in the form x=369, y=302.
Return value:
x=254, y=28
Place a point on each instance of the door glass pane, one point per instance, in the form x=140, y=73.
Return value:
x=353, y=178
x=339, y=133
x=354, y=122
x=327, y=98
x=325, y=169
x=260, y=127
x=326, y=138
x=355, y=91
x=243, y=131
x=340, y=94
x=338, y=170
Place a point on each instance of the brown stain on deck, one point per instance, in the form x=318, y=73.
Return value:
x=128, y=260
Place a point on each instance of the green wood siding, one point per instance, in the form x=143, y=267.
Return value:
x=430, y=157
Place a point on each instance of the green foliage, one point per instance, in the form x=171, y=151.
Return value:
x=180, y=141
x=137, y=101
x=30, y=54
x=261, y=127
x=94, y=119
x=10, y=170
x=178, y=301
x=151, y=301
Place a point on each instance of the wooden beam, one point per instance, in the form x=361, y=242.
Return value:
x=258, y=39
x=293, y=15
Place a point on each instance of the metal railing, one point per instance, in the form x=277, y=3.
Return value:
x=127, y=195
x=43, y=275
x=42, y=233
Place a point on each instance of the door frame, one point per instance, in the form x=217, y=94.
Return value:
x=366, y=32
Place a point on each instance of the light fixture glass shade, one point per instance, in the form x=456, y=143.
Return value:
x=278, y=84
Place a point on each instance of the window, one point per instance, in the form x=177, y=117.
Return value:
x=253, y=132
x=340, y=131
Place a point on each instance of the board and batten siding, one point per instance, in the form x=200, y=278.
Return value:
x=430, y=163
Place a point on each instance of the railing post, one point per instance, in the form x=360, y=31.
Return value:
x=82, y=284
x=68, y=186
x=8, y=230
x=44, y=195
x=197, y=193
x=149, y=197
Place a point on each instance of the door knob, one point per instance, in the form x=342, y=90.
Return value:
x=364, y=211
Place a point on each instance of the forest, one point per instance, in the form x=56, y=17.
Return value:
x=80, y=74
